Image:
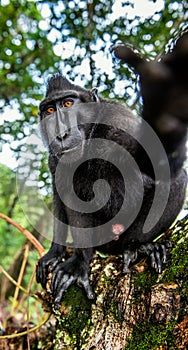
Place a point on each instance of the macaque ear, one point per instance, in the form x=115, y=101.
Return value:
x=94, y=94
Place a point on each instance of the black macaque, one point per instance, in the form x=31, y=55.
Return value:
x=107, y=166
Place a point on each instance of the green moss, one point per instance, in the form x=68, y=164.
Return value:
x=77, y=312
x=147, y=336
x=119, y=317
x=143, y=281
x=176, y=268
x=105, y=279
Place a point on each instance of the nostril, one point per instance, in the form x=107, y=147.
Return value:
x=59, y=138
x=65, y=135
x=62, y=137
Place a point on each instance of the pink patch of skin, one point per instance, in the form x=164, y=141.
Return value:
x=117, y=229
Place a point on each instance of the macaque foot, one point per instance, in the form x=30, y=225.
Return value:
x=129, y=257
x=156, y=251
x=47, y=264
x=67, y=273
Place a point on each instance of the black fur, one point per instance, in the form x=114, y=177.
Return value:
x=68, y=134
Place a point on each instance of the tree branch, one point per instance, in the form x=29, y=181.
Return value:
x=25, y=232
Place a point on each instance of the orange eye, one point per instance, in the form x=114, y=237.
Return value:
x=68, y=103
x=50, y=110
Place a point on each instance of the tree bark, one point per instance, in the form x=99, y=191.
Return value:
x=137, y=311
x=140, y=310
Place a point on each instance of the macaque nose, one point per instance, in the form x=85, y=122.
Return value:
x=62, y=137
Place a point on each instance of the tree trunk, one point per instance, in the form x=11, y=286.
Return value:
x=137, y=311
x=140, y=310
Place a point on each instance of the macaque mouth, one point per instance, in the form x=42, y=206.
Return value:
x=66, y=151
x=71, y=149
